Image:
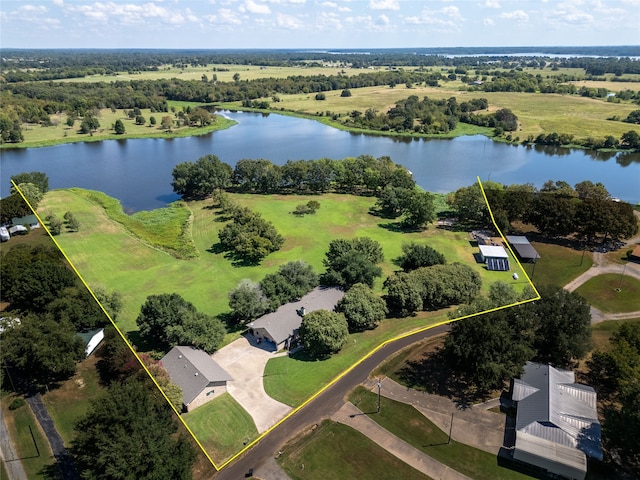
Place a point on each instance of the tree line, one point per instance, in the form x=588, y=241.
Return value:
x=586, y=212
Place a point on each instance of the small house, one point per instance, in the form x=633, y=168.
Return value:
x=199, y=376
x=280, y=328
x=495, y=257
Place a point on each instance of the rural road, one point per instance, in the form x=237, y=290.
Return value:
x=9, y=455
x=323, y=406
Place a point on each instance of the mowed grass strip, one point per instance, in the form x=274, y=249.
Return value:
x=222, y=426
x=336, y=451
x=407, y=423
x=108, y=254
x=612, y=293
x=21, y=423
x=70, y=402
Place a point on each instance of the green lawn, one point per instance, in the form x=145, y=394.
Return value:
x=292, y=380
x=335, y=451
x=105, y=253
x=602, y=292
x=557, y=265
x=601, y=332
x=70, y=402
x=410, y=425
x=222, y=427
x=21, y=423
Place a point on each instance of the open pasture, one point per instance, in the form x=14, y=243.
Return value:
x=106, y=253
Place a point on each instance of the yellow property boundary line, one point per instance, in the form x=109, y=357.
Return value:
x=323, y=389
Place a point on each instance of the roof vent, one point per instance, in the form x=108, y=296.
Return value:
x=179, y=356
x=196, y=374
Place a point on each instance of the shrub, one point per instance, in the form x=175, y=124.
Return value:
x=17, y=403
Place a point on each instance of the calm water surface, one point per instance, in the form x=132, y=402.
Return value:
x=138, y=172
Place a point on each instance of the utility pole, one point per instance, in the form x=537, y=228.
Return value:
x=450, y=429
x=379, y=385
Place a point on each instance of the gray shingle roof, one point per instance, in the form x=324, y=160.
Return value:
x=283, y=322
x=553, y=407
x=192, y=370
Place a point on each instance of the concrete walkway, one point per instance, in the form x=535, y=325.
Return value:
x=474, y=426
x=9, y=455
x=351, y=416
x=245, y=361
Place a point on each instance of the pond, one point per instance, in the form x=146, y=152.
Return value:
x=138, y=171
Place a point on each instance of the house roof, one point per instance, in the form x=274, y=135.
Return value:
x=523, y=247
x=493, y=251
x=517, y=240
x=282, y=323
x=26, y=220
x=192, y=370
x=557, y=411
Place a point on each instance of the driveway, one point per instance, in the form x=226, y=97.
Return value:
x=245, y=361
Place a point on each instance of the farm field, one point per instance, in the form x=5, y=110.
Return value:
x=107, y=254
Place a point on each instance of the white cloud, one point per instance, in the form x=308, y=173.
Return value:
x=329, y=4
x=519, y=16
x=488, y=22
x=446, y=19
x=252, y=7
x=492, y=4
x=384, y=5
x=59, y=3
x=383, y=20
x=344, y=9
x=288, y=21
x=224, y=16
x=33, y=9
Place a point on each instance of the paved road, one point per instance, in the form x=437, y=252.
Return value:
x=9, y=455
x=323, y=406
x=64, y=461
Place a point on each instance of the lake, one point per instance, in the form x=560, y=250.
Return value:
x=138, y=171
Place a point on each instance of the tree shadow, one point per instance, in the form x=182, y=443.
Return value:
x=396, y=227
x=235, y=259
x=432, y=374
x=144, y=344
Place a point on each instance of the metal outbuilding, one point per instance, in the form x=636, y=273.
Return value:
x=523, y=247
x=557, y=425
x=495, y=257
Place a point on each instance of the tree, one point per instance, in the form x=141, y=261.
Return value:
x=89, y=124
x=202, y=178
x=118, y=127
x=469, y=205
x=152, y=120
x=140, y=120
x=38, y=179
x=249, y=237
x=111, y=302
x=323, y=333
x=169, y=320
x=247, y=301
x=362, y=308
x=345, y=93
x=291, y=282
x=353, y=261
x=321, y=96
x=55, y=224
x=392, y=201
x=418, y=210
x=236, y=77
x=129, y=433
x=588, y=189
x=41, y=348
x=31, y=193
x=166, y=123
x=403, y=294
x=488, y=350
x=631, y=139
x=562, y=326
x=415, y=256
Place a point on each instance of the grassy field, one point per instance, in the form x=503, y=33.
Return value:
x=557, y=265
x=602, y=292
x=107, y=254
x=333, y=451
x=601, y=332
x=59, y=132
x=537, y=113
x=70, y=402
x=410, y=425
x=222, y=426
x=21, y=423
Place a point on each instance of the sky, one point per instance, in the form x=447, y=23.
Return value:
x=319, y=24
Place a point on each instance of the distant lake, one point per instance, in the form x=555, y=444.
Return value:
x=138, y=171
